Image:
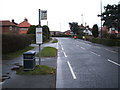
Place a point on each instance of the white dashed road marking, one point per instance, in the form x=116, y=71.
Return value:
x=95, y=53
x=82, y=48
x=113, y=62
x=73, y=74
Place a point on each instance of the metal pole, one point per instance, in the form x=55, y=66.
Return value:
x=39, y=56
x=39, y=26
x=39, y=17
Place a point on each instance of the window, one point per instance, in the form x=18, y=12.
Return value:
x=10, y=28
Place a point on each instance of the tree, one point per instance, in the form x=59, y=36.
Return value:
x=95, y=31
x=46, y=33
x=32, y=29
x=111, y=16
x=74, y=27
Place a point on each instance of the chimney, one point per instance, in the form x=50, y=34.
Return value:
x=26, y=19
x=12, y=20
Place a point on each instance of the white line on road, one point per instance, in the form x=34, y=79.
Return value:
x=63, y=51
x=88, y=44
x=1, y=83
x=57, y=45
x=65, y=54
x=62, y=48
x=73, y=74
x=113, y=62
x=110, y=51
x=95, y=53
x=82, y=48
x=97, y=47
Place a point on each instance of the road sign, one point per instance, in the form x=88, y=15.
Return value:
x=38, y=35
x=43, y=14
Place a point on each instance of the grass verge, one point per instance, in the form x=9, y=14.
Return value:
x=47, y=52
x=38, y=70
x=15, y=54
x=48, y=40
x=55, y=41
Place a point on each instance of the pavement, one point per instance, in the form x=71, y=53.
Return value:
x=29, y=81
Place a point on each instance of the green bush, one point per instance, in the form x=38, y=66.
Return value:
x=108, y=42
x=61, y=35
x=46, y=33
x=14, y=42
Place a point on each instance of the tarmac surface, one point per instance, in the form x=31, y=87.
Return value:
x=29, y=81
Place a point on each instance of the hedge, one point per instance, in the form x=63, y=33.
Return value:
x=108, y=42
x=14, y=42
x=61, y=35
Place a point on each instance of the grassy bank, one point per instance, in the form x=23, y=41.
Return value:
x=55, y=41
x=38, y=70
x=15, y=54
x=48, y=52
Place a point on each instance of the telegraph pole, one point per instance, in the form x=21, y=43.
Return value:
x=82, y=19
x=101, y=18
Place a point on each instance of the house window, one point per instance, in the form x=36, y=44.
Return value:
x=10, y=28
x=23, y=28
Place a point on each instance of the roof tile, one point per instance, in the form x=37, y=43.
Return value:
x=24, y=24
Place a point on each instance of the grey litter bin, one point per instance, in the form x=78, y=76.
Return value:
x=29, y=60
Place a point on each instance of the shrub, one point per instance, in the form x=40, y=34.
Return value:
x=61, y=35
x=14, y=42
x=113, y=36
x=95, y=31
x=108, y=42
x=46, y=33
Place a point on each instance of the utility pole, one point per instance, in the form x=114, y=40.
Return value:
x=82, y=19
x=47, y=23
x=101, y=18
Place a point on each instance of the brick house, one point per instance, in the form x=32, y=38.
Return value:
x=8, y=27
x=24, y=26
x=67, y=32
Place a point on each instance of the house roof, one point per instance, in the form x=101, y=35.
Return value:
x=24, y=24
x=7, y=23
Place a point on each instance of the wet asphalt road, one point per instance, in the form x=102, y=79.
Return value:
x=82, y=64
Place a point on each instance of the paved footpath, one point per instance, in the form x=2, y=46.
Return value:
x=29, y=81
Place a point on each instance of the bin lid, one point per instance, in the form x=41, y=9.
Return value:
x=29, y=52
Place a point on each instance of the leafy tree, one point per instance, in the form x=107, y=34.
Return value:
x=111, y=16
x=95, y=31
x=32, y=29
x=46, y=33
x=74, y=27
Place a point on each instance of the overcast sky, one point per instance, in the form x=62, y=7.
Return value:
x=60, y=12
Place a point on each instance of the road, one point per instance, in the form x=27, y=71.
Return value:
x=82, y=64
